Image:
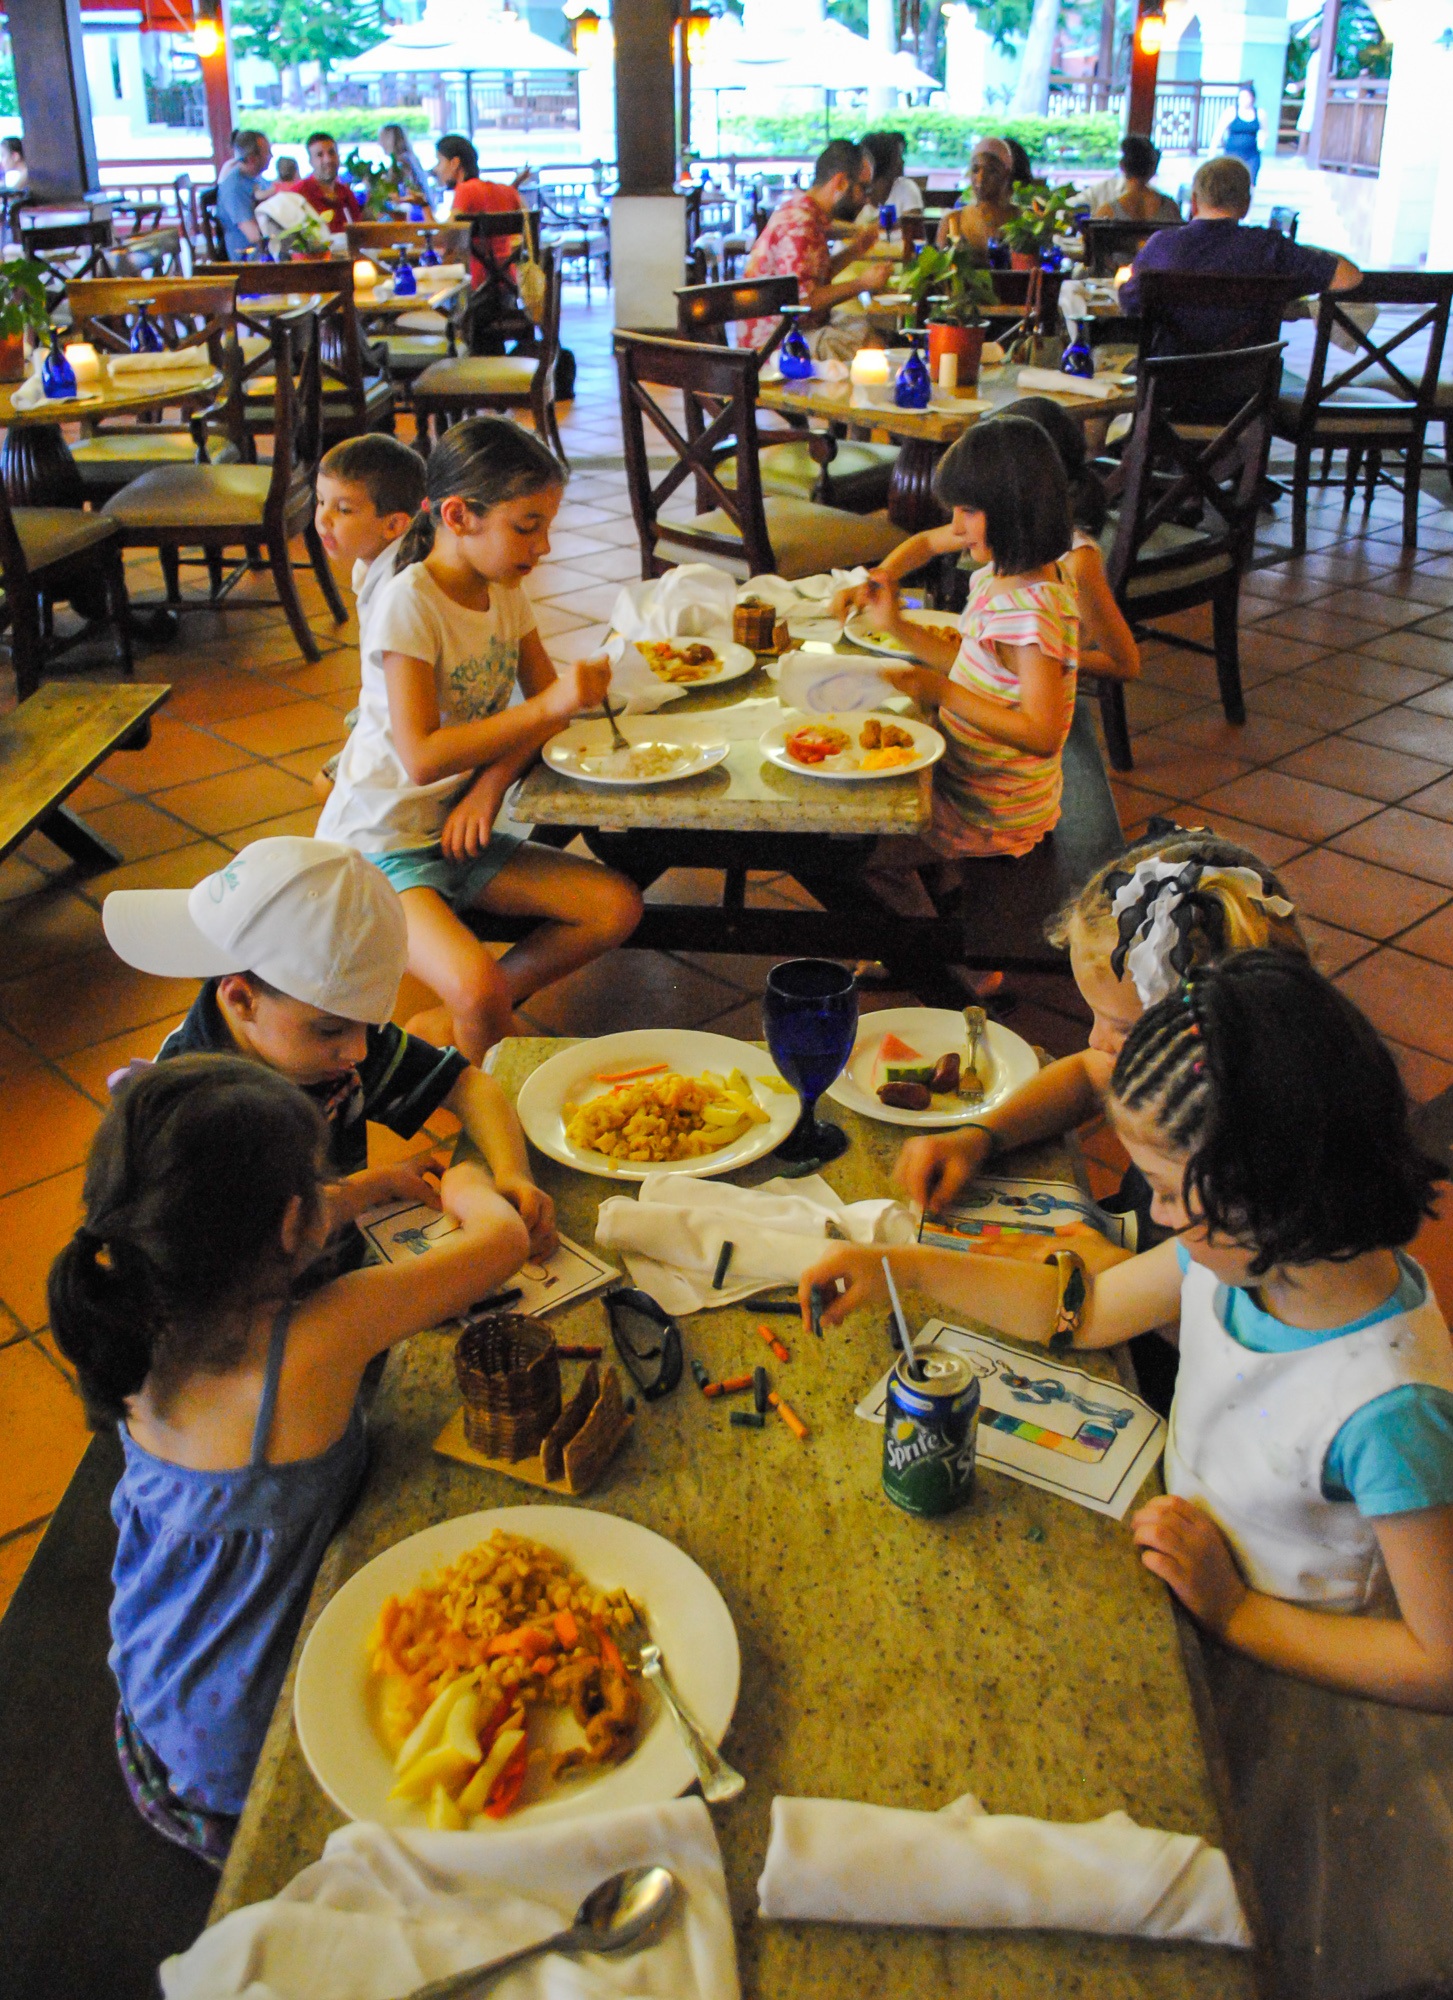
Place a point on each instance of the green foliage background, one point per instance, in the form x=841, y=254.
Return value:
x=933, y=136
x=284, y=32
x=351, y=124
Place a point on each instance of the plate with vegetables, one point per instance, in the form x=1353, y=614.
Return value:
x=481, y=1674
x=851, y=748
x=910, y=1066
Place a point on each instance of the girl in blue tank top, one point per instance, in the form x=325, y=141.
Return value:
x=181, y=1303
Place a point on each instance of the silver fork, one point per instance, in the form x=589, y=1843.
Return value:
x=618, y=741
x=719, y=1782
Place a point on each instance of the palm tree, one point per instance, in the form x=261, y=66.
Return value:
x=1031, y=93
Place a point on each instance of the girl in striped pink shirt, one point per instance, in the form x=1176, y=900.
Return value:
x=1005, y=693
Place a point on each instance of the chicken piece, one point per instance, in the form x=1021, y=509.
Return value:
x=871, y=737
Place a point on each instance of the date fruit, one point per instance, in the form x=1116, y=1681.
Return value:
x=906, y=1096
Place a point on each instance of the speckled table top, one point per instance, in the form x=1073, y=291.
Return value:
x=1017, y=1649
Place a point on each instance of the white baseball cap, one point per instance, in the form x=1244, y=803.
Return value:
x=312, y=918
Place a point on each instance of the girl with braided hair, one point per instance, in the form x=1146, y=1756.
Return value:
x=1308, y=1520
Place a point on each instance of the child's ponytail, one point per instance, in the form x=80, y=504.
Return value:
x=485, y=462
x=99, y=1307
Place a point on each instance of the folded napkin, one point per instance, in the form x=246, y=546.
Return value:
x=1069, y=385
x=671, y=1235
x=189, y=361
x=634, y=689
x=383, y=1912
x=30, y=395
x=835, y=1862
x=690, y=601
x=438, y=274
x=831, y=683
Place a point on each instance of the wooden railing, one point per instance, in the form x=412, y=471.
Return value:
x=1352, y=121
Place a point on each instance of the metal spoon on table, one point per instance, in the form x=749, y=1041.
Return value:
x=623, y=1913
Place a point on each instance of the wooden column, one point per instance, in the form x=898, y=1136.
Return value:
x=55, y=101
x=1144, y=67
x=217, y=86
x=683, y=85
x=645, y=95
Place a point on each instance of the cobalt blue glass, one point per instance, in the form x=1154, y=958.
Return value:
x=145, y=337
x=57, y=377
x=405, y=283
x=1079, y=357
x=416, y=214
x=428, y=255
x=887, y=218
x=1051, y=258
x=810, y=1016
x=794, y=356
x=914, y=388
x=999, y=255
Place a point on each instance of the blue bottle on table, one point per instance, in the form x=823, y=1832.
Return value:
x=1079, y=357
x=57, y=377
x=794, y=356
x=145, y=336
x=428, y=256
x=1001, y=258
x=810, y=1019
x=405, y=283
x=887, y=218
x=914, y=388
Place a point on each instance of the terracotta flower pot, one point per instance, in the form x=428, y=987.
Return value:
x=12, y=357
x=967, y=342
x=1024, y=260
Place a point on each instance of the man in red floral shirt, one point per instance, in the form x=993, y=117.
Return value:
x=795, y=241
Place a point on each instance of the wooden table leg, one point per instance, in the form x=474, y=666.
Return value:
x=911, y=504
x=77, y=841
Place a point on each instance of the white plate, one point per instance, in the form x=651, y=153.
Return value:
x=567, y=1079
x=688, y=1618
x=927, y=743
x=933, y=1031
x=566, y=752
x=732, y=661
x=861, y=631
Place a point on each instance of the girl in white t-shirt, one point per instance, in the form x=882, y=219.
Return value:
x=439, y=741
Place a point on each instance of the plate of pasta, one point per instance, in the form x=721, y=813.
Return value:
x=657, y=1100
x=471, y=1675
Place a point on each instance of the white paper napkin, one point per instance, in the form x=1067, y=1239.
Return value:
x=634, y=689
x=831, y=683
x=190, y=361
x=832, y=1861
x=30, y=395
x=671, y=1236
x=1068, y=385
x=384, y=1912
x=689, y=602
x=438, y=274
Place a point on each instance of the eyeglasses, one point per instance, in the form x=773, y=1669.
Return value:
x=647, y=1339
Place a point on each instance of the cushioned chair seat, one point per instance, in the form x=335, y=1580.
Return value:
x=415, y=349
x=1171, y=540
x=419, y=322
x=207, y=496
x=478, y=375
x=791, y=468
x=1352, y=409
x=116, y=456
x=54, y=534
x=806, y=538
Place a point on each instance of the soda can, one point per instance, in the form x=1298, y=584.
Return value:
x=930, y=1435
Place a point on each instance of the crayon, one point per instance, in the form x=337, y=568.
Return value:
x=579, y=1350
x=789, y=1416
x=760, y=1387
x=721, y=1266
x=777, y=1347
x=711, y=1388
x=748, y=1420
x=699, y=1374
x=498, y=1301
x=730, y=1384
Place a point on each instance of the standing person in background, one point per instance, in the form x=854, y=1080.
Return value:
x=457, y=168
x=1243, y=135
x=239, y=192
x=12, y=162
x=411, y=183
x=334, y=200
x=978, y=222
x=887, y=151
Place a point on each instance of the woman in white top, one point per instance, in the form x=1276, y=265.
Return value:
x=439, y=740
x=889, y=183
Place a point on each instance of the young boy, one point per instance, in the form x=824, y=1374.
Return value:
x=303, y=945
x=369, y=489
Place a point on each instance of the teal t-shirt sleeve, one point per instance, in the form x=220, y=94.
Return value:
x=1395, y=1454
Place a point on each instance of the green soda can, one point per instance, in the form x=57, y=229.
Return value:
x=930, y=1435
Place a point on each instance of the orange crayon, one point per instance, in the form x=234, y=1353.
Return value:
x=789, y=1416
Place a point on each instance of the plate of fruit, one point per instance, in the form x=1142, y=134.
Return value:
x=932, y=1067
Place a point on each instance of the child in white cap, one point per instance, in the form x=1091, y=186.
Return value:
x=302, y=945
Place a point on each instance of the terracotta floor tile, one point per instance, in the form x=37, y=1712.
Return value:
x=576, y=542
x=1134, y=804
x=1353, y=564
x=1409, y=999
x=1361, y=675
x=1438, y=627
x=52, y=924
x=1314, y=625
x=89, y=1068
x=1283, y=588
x=1409, y=729
x=1293, y=806
x=138, y=829
x=45, y=1433
x=1272, y=848
x=1435, y=701
x=69, y=1006
x=276, y=731
x=576, y=644
x=615, y=565
x=555, y=620
x=780, y=892
x=1436, y=802
x=301, y=825
x=585, y=599
x=1188, y=673
x=699, y=886
x=214, y=697
x=1312, y=703
x=1178, y=771
x=1432, y=939
x=47, y=1127
x=1333, y=949
x=1374, y=607
x=335, y=673
x=176, y=755
x=1404, y=840
x=1424, y=1077
x=96, y=791
x=1361, y=767
x=1274, y=652
x=179, y=868
x=1414, y=586
x=238, y=798
x=34, y=1223
x=1373, y=902
x=1408, y=649
x=15, y=1553
x=1258, y=740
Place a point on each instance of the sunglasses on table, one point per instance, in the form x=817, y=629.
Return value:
x=647, y=1339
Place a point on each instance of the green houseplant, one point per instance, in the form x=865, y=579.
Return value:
x=1044, y=213
x=949, y=293
x=23, y=310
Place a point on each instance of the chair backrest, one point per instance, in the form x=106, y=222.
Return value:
x=720, y=384
x=295, y=354
x=1036, y=291
x=1284, y=221
x=702, y=310
x=1198, y=312
x=214, y=242
x=1109, y=243
x=186, y=312
x=66, y=250
x=1386, y=366
x=1175, y=459
x=376, y=239
x=184, y=200
x=328, y=283
x=155, y=250
x=14, y=569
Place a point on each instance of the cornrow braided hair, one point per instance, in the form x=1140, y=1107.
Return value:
x=1162, y=1071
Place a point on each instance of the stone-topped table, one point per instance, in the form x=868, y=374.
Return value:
x=1017, y=1650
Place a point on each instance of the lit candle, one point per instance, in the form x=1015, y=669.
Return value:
x=870, y=368
x=365, y=275
x=85, y=361
x=948, y=370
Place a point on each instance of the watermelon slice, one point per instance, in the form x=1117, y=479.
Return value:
x=897, y=1062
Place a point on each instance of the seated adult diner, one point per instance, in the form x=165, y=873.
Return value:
x=991, y=181
x=12, y=162
x=405, y=170
x=1137, y=200
x=239, y=192
x=1218, y=242
x=888, y=152
x=334, y=200
x=457, y=170
x=795, y=244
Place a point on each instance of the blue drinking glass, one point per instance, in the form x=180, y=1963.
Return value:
x=794, y=356
x=914, y=388
x=57, y=377
x=405, y=283
x=1079, y=358
x=428, y=256
x=999, y=254
x=145, y=337
x=810, y=1015
x=887, y=218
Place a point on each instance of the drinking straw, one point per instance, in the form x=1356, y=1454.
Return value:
x=915, y=1366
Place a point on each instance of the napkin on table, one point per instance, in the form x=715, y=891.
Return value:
x=31, y=394
x=1069, y=385
x=187, y=361
x=671, y=1235
x=692, y=601
x=384, y=1912
x=833, y=1861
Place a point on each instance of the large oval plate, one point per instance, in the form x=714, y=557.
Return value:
x=933, y=1031
x=688, y=1619
x=568, y=1079
x=928, y=747
x=861, y=630
x=732, y=661
x=567, y=752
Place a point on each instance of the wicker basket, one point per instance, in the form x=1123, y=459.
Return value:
x=509, y=1376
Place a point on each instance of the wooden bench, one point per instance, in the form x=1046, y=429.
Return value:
x=51, y=743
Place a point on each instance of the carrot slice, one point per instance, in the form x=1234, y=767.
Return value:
x=627, y=1075
x=566, y=1630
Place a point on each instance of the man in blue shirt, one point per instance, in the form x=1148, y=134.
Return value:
x=239, y=192
x=1216, y=242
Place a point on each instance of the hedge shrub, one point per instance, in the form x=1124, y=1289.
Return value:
x=933, y=135
x=350, y=124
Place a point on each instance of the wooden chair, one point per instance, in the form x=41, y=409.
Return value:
x=48, y=553
x=744, y=532
x=1246, y=312
x=413, y=339
x=184, y=207
x=1369, y=404
x=449, y=390
x=376, y=240
x=157, y=252
x=189, y=314
x=255, y=507
x=67, y=250
x=1183, y=456
x=358, y=393
x=1110, y=243
x=209, y=224
x=811, y=465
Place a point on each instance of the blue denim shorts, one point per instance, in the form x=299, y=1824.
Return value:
x=460, y=883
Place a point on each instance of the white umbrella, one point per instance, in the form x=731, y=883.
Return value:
x=451, y=38
x=829, y=57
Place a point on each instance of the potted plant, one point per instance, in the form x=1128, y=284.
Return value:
x=310, y=238
x=1044, y=213
x=22, y=310
x=949, y=293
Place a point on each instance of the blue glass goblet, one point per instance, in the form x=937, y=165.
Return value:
x=145, y=334
x=914, y=388
x=405, y=283
x=810, y=1015
x=1079, y=357
x=57, y=377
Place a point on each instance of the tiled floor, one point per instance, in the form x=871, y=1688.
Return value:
x=1342, y=778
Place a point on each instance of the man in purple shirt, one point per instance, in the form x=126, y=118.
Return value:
x=1217, y=242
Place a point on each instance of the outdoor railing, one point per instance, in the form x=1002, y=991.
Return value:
x=1352, y=121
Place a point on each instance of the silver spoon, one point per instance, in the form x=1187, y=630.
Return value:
x=624, y=1912
x=618, y=741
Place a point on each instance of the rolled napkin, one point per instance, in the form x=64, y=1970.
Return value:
x=671, y=1235
x=1069, y=385
x=687, y=603
x=384, y=1912
x=188, y=361
x=31, y=394
x=439, y=274
x=831, y=1861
